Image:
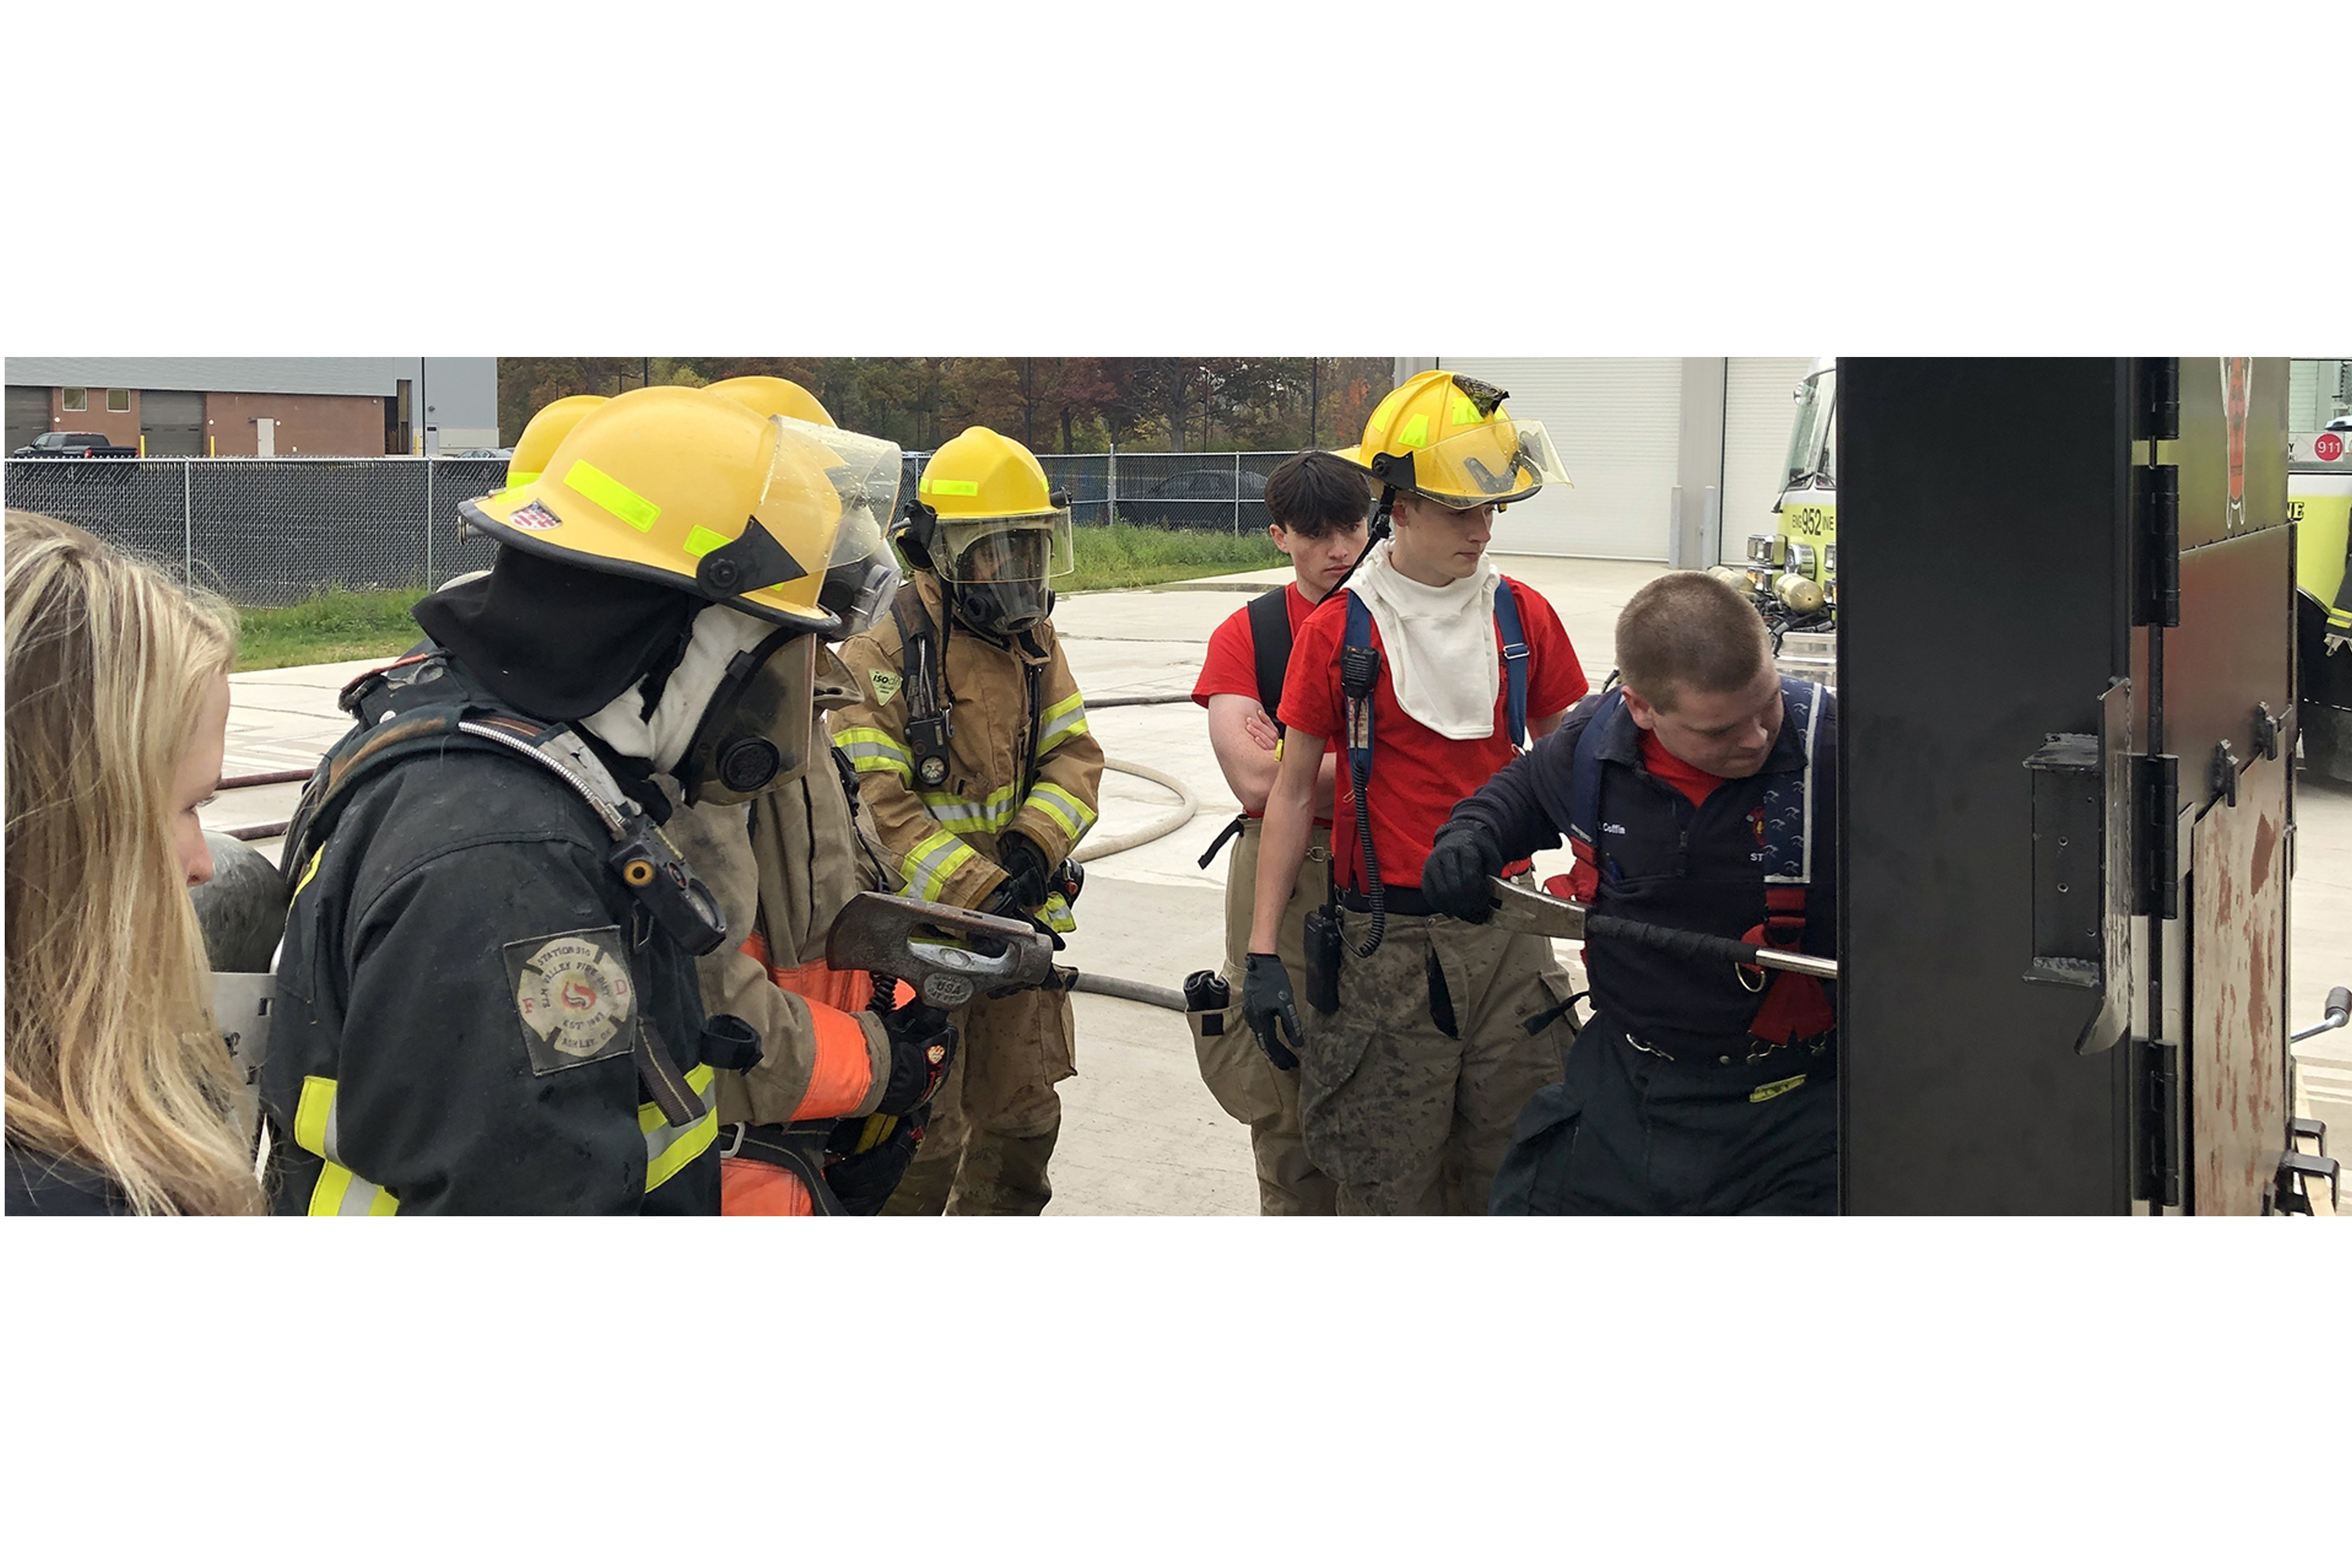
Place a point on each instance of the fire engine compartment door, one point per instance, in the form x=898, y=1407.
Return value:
x=2235, y=1066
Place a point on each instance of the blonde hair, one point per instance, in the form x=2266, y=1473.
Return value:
x=113, y=1059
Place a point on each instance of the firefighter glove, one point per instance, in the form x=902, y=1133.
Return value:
x=1270, y=1009
x=1457, y=877
x=863, y=1179
x=1025, y=873
x=922, y=1047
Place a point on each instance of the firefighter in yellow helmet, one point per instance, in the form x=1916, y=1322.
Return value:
x=487, y=1000
x=977, y=770
x=782, y=866
x=1424, y=1035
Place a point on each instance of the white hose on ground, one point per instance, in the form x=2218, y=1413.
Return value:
x=1186, y=807
x=1118, y=985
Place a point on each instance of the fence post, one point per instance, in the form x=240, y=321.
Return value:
x=188, y=521
x=1111, y=489
x=1238, y=495
x=428, y=524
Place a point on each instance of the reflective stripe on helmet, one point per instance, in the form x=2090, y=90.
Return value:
x=613, y=496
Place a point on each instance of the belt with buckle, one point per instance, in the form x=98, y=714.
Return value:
x=798, y=1148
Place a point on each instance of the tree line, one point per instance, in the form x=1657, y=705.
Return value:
x=1048, y=404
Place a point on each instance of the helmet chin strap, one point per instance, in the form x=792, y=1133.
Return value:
x=719, y=633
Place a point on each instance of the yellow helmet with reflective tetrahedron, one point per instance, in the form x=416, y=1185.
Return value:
x=770, y=395
x=673, y=485
x=546, y=431
x=1447, y=437
x=986, y=520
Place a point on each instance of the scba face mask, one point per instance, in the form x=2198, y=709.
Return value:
x=755, y=733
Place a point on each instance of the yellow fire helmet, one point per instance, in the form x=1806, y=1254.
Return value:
x=982, y=485
x=546, y=431
x=770, y=395
x=673, y=485
x=1446, y=436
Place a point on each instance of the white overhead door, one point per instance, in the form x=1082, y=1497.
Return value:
x=1760, y=409
x=1617, y=423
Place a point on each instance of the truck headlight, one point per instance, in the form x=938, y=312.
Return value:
x=1802, y=558
x=1829, y=560
x=1764, y=549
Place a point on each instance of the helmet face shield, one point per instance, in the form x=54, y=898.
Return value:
x=862, y=572
x=1501, y=461
x=1007, y=549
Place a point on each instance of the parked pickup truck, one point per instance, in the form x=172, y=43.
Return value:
x=73, y=444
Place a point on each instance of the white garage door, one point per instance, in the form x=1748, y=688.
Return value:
x=1617, y=424
x=1760, y=409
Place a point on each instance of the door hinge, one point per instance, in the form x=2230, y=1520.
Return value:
x=2161, y=1121
x=2159, y=546
x=2160, y=398
x=2159, y=849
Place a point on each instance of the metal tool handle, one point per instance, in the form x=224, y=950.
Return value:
x=1696, y=944
x=2339, y=1009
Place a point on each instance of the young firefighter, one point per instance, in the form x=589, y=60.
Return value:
x=782, y=866
x=974, y=760
x=1700, y=795
x=1319, y=502
x=1428, y=667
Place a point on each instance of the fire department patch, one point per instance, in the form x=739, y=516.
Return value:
x=886, y=684
x=574, y=995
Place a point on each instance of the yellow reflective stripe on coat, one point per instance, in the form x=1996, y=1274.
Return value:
x=872, y=751
x=341, y=1191
x=1055, y=913
x=670, y=1149
x=1060, y=722
x=1075, y=815
x=935, y=858
x=960, y=815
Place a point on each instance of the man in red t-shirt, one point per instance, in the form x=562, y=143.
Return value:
x=1408, y=1087
x=1318, y=504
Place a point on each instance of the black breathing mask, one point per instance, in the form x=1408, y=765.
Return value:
x=755, y=733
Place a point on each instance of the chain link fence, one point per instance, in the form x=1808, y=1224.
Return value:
x=274, y=531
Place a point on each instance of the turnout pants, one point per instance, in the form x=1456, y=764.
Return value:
x=1407, y=1115
x=1246, y=1084
x=1630, y=1132
x=994, y=1121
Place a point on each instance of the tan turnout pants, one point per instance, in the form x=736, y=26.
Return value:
x=1246, y=1084
x=994, y=1121
x=1406, y=1118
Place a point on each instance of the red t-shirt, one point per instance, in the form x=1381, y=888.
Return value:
x=1697, y=783
x=1231, y=667
x=1418, y=775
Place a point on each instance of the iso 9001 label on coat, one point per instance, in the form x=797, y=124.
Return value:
x=574, y=995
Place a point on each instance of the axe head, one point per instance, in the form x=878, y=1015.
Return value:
x=948, y=953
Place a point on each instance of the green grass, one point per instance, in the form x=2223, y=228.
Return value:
x=1124, y=556
x=340, y=623
x=327, y=628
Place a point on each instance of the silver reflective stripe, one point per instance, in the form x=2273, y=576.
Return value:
x=340, y=1190
x=1075, y=815
x=1059, y=722
x=670, y=1149
x=935, y=859
x=960, y=815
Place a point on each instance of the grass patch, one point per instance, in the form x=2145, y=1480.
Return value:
x=1121, y=555
x=341, y=623
x=327, y=627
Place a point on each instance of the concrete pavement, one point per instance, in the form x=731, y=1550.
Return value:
x=1140, y=1134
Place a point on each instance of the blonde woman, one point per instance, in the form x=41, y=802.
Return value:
x=121, y=1098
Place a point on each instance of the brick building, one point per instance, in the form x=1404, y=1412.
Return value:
x=309, y=407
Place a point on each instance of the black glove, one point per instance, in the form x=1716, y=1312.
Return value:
x=863, y=1179
x=1457, y=877
x=1025, y=872
x=922, y=1045
x=1269, y=1009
